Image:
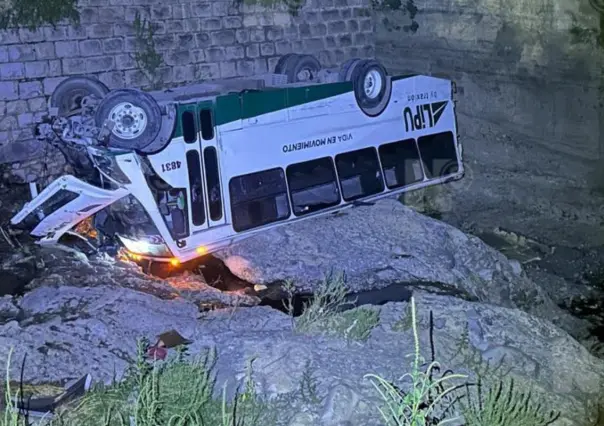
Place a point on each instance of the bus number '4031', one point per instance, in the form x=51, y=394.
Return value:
x=172, y=165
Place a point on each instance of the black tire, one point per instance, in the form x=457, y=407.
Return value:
x=128, y=99
x=295, y=64
x=280, y=66
x=347, y=68
x=68, y=95
x=374, y=104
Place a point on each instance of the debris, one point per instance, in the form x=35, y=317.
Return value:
x=166, y=340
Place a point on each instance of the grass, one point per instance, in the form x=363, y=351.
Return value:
x=181, y=391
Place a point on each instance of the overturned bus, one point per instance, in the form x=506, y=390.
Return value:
x=175, y=174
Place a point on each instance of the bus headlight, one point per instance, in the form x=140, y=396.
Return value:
x=146, y=248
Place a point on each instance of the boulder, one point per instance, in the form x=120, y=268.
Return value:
x=385, y=244
x=69, y=331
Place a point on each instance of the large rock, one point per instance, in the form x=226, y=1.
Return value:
x=68, y=331
x=385, y=244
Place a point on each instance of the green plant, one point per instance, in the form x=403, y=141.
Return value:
x=147, y=59
x=505, y=405
x=32, y=14
x=417, y=406
x=308, y=385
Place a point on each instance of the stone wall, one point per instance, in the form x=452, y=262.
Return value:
x=530, y=107
x=198, y=40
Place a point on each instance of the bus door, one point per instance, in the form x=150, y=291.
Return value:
x=207, y=207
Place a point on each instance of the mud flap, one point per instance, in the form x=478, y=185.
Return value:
x=62, y=205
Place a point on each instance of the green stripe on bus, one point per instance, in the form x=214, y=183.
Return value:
x=237, y=106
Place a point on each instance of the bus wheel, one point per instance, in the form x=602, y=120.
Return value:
x=372, y=87
x=68, y=95
x=301, y=68
x=137, y=118
x=279, y=67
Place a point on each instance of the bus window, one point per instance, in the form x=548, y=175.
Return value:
x=207, y=127
x=198, y=216
x=401, y=163
x=189, y=132
x=313, y=185
x=258, y=199
x=213, y=183
x=360, y=174
x=438, y=154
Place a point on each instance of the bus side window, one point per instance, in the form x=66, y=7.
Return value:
x=189, y=132
x=207, y=127
x=258, y=199
x=360, y=173
x=313, y=185
x=198, y=215
x=401, y=163
x=438, y=154
x=213, y=183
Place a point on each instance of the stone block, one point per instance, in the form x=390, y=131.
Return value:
x=124, y=62
x=126, y=29
x=228, y=69
x=235, y=52
x=183, y=73
x=38, y=104
x=77, y=33
x=215, y=54
x=202, y=10
x=31, y=36
x=250, y=21
x=198, y=55
x=252, y=51
x=304, y=30
x=45, y=50
x=318, y=30
x=283, y=47
x=100, y=63
x=36, y=69
x=273, y=33
x=311, y=17
x=353, y=26
x=16, y=107
x=178, y=58
x=345, y=40
x=3, y=54
x=330, y=15
x=245, y=67
x=282, y=18
x=272, y=63
x=54, y=68
x=30, y=89
x=267, y=49
x=314, y=44
x=90, y=15
x=346, y=13
x=111, y=14
x=202, y=39
x=51, y=83
x=242, y=35
x=55, y=34
x=165, y=42
x=260, y=66
x=193, y=24
x=220, y=8
x=330, y=42
x=265, y=19
x=257, y=35
x=21, y=53
x=25, y=119
x=161, y=11
x=9, y=37
x=366, y=25
x=90, y=47
x=66, y=49
x=113, y=45
x=231, y=22
x=104, y=30
x=206, y=71
x=135, y=78
x=175, y=26
x=210, y=24
x=12, y=71
x=223, y=38
x=8, y=123
x=185, y=41
x=336, y=27
x=72, y=66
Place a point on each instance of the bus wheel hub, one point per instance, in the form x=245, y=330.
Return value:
x=130, y=121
